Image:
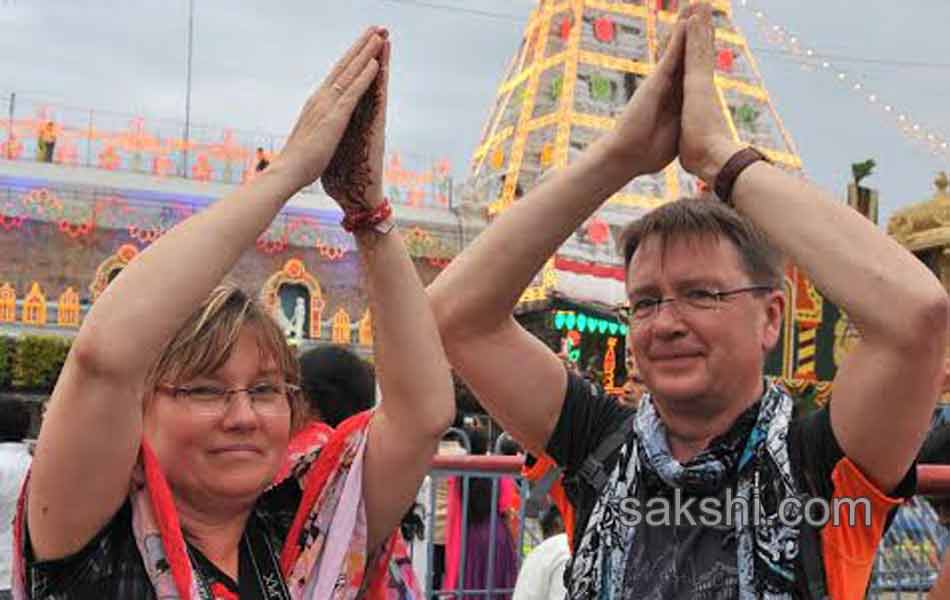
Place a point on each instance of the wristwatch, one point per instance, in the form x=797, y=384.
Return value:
x=734, y=167
x=385, y=226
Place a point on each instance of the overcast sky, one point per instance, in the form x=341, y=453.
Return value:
x=254, y=63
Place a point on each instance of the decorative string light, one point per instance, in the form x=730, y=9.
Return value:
x=811, y=60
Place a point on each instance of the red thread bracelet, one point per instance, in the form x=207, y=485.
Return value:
x=367, y=219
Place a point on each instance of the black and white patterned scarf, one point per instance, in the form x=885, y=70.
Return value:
x=767, y=549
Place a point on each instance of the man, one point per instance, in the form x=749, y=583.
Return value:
x=46, y=142
x=704, y=289
x=542, y=573
x=260, y=160
x=14, y=462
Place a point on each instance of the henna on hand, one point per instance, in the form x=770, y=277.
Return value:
x=348, y=175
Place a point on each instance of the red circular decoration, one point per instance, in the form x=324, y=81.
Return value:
x=725, y=60
x=604, y=30
x=565, y=30
x=10, y=223
x=331, y=252
x=294, y=268
x=598, y=231
x=127, y=252
x=575, y=337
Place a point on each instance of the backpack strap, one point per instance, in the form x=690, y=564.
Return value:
x=539, y=489
x=593, y=472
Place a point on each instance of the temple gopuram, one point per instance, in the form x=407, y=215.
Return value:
x=578, y=65
x=924, y=229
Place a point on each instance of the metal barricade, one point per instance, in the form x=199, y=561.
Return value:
x=465, y=469
x=906, y=565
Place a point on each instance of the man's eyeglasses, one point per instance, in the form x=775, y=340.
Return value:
x=692, y=301
x=267, y=399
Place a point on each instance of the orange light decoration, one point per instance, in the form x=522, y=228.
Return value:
x=127, y=252
x=366, y=329
x=66, y=152
x=145, y=235
x=135, y=149
x=271, y=247
x=162, y=166
x=34, y=306
x=342, y=330
x=76, y=230
x=109, y=159
x=68, y=313
x=229, y=152
x=410, y=187
x=295, y=272
x=136, y=141
x=808, y=316
x=12, y=148
x=294, y=268
x=330, y=252
x=610, y=364
x=202, y=169
x=498, y=158
x=7, y=303
x=547, y=155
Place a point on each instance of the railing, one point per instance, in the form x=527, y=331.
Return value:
x=464, y=469
x=895, y=575
x=111, y=141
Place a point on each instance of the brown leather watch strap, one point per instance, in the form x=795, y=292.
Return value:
x=734, y=167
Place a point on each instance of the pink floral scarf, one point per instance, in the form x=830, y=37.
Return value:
x=325, y=554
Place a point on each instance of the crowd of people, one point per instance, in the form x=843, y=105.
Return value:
x=183, y=454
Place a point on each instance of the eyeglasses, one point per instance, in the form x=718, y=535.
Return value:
x=693, y=301
x=267, y=399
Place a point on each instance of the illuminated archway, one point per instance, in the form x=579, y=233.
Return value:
x=295, y=272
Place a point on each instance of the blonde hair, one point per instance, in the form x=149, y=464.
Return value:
x=207, y=339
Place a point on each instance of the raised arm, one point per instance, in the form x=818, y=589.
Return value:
x=418, y=402
x=91, y=433
x=515, y=376
x=886, y=390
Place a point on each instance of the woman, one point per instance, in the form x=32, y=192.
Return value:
x=192, y=410
x=486, y=532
